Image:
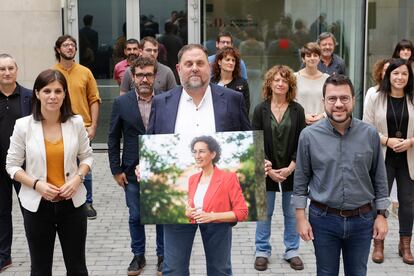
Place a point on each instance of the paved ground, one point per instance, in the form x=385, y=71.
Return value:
x=108, y=251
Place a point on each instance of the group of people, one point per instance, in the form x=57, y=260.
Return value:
x=314, y=150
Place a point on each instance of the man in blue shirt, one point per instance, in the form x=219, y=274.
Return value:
x=330, y=63
x=225, y=39
x=340, y=168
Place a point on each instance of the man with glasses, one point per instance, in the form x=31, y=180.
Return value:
x=129, y=118
x=340, y=168
x=164, y=79
x=84, y=98
x=225, y=39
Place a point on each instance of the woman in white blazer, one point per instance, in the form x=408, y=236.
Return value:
x=391, y=111
x=44, y=152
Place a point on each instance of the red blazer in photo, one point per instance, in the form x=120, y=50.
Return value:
x=223, y=194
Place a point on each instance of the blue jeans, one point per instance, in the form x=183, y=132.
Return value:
x=136, y=229
x=178, y=240
x=290, y=236
x=333, y=233
x=88, y=186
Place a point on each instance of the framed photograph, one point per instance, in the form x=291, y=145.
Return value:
x=184, y=176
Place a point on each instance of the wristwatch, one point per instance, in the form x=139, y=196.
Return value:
x=384, y=213
x=82, y=177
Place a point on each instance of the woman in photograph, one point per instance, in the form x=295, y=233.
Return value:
x=44, y=152
x=391, y=112
x=310, y=83
x=281, y=119
x=214, y=195
x=215, y=203
x=226, y=72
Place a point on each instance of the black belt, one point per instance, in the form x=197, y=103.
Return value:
x=344, y=213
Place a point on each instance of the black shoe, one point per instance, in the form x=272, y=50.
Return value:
x=4, y=264
x=136, y=266
x=90, y=211
x=160, y=263
x=261, y=263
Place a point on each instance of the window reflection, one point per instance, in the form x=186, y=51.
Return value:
x=269, y=32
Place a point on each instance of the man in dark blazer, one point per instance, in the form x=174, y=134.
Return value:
x=15, y=102
x=129, y=118
x=197, y=107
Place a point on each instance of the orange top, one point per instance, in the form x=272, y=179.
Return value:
x=55, y=162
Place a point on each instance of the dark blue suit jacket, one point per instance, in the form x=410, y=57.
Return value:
x=126, y=122
x=229, y=110
x=25, y=101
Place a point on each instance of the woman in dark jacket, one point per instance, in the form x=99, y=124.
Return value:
x=281, y=119
x=226, y=72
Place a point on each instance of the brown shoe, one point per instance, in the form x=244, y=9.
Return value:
x=404, y=249
x=296, y=263
x=378, y=252
x=261, y=263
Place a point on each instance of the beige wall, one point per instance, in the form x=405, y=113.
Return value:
x=28, y=31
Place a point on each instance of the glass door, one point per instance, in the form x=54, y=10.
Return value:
x=101, y=33
x=269, y=32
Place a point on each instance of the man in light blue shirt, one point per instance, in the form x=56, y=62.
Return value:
x=225, y=39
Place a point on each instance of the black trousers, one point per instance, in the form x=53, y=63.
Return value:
x=6, y=202
x=405, y=194
x=41, y=227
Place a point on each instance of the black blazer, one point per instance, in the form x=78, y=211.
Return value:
x=239, y=85
x=262, y=121
x=126, y=122
x=25, y=100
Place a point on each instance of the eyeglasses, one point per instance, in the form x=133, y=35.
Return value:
x=67, y=45
x=334, y=99
x=141, y=76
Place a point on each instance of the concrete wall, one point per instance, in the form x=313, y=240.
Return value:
x=28, y=31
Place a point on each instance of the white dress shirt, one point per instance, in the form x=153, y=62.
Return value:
x=195, y=119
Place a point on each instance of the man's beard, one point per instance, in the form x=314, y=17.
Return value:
x=192, y=84
x=331, y=117
x=65, y=57
x=131, y=57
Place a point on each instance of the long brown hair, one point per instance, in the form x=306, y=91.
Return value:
x=220, y=55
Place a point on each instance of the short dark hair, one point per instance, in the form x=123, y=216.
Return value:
x=59, y=43
x=385, y=86
x=310, y=48
x=87, y=20
x=326, y=35
x=149, y=39
x=212, y=145
x=132, y=41
x=189, y=47
x=222, y=53
x=336, y=80
x=401, y=45
x=142, y=62
x=43, y=79
x=224, y=33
